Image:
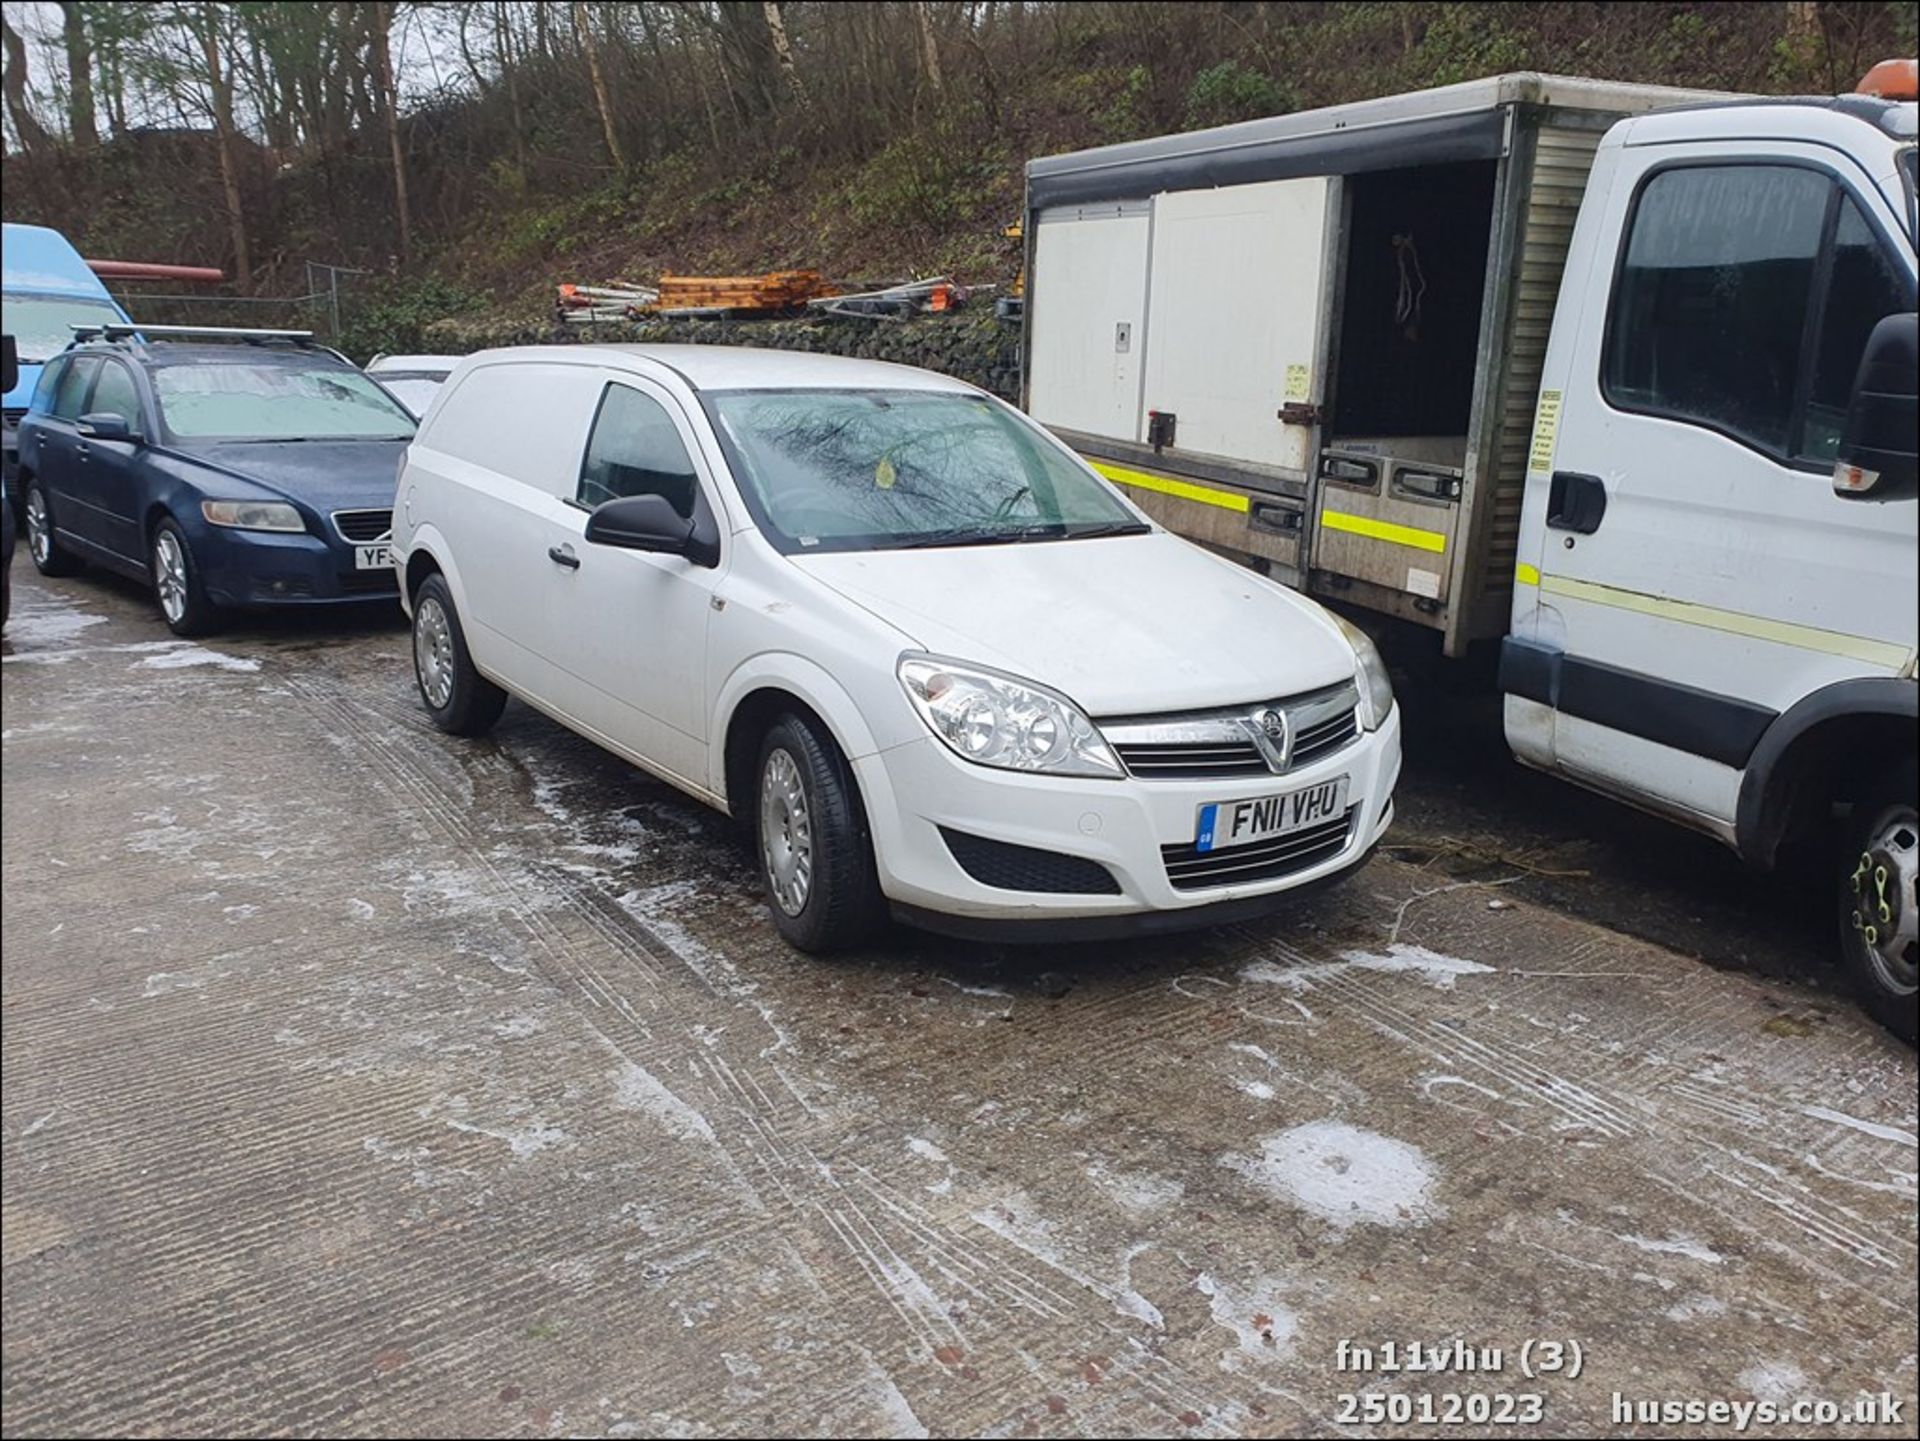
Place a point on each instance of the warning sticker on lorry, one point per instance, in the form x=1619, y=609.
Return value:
x=1546, y=426
x=1299, y=382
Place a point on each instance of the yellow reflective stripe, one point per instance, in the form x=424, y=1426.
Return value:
x=1804, y=637
x=1384, y=530
x=1165, y=485
x=1526, y=574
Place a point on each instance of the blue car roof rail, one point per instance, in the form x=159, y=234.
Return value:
x=302, y=339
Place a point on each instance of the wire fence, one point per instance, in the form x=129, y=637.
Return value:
x=325, y=307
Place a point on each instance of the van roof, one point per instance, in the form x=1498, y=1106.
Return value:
x=738, y=367
x=1467, y=121
x=36, y=260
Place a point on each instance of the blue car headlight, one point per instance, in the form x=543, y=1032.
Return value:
x=252, y=515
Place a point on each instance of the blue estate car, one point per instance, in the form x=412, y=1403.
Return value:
x=254, y=470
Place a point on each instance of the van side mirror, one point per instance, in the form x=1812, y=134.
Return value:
x=648, y=522
x=1877, y=448
x=9, y=363
x=106, y=425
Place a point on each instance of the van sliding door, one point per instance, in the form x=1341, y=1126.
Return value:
x=1237, y=308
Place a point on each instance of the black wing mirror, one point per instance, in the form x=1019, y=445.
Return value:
x=1877, y=447
x=106, y=425
x=9, y=363
x=648, y=522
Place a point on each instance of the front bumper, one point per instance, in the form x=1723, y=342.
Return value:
x=268, y=568
x=915, y=790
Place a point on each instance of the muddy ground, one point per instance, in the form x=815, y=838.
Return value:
x=360, y=1079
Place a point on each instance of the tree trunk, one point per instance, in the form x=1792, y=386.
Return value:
x=390, y=97
x=34, y=139
x=503, y=48
x=222, y=91
x=583, y=30
x=929, y=52
x=783, y=51
x=80, y=121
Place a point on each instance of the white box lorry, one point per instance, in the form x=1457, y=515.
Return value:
x=1617, y=379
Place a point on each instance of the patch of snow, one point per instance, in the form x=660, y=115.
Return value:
x=1775, y=1381
x=992, y=991
x=181, y=655
x=1695, y=1306
x=1263, y=1327
x=1676, y=1246
x=1867, y=1128
x=1430, y=966
x=1345, y=1175
x=637, y=1089
x=36, y=626
x=926, y=1150
x=1136, y=1192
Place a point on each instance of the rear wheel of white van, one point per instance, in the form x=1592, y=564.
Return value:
x=461, y=701
x=816, y=856
x=1879, y=910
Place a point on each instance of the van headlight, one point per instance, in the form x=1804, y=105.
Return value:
x=995, y=720
x=252, y=514
x=1369, y=673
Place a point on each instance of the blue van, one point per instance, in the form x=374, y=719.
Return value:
x=45, y=290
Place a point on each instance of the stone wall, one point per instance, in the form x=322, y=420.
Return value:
x=974, y=347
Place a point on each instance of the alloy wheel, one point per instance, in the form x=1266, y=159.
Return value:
x=170, y=575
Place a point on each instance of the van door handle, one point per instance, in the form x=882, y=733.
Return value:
x=563, y=555
x=1576, y=502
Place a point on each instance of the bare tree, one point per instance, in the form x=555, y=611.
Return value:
x=226, y=135
x=80, y=121
x=783, y=51
x=583, y=30
x=34, y=139
x=390, y=103
x=929, y=51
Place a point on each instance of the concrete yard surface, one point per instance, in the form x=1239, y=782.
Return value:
x=359, y=1079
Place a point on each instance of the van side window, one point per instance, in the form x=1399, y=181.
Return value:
x=1711, y=303
x=114, y=392
x=75, y=381
x=1864, y=289
x=636, y=450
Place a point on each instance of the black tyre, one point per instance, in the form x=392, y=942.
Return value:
x=49, y=558
x=176, y=582
x=461, y=701
x=810, y=834
x=1879, y=911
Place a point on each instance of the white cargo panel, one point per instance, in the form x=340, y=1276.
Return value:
x=1087, y=318
x=1236, y=304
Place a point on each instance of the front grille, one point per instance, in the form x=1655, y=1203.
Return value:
x=384, y=581
x=1191, y=870
x=362, y=526
x=1324, y=737
x=1007, y=867
x=1221, y=744
x=1176, y=760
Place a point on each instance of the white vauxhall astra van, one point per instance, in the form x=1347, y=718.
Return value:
x=933, y=663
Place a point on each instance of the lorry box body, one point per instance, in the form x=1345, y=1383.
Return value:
x=1314, y=341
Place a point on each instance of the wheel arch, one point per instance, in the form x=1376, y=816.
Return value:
x=755, y=696
x=1825, y=747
